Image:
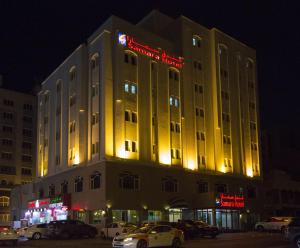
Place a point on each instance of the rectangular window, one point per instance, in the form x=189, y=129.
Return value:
x=133, y=88
x=126, y=58
x=126, y=87
x=177, y=128
x=176, y=102
x=202, y=187
x=202, y=136
x=133, y=146
x=177, y=154
x=134, y=117
x=172, y=126
x=127, y=148
x=172, y=153
x=127, y=115
x=171, y=100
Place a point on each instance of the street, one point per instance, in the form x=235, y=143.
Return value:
x=230, y=240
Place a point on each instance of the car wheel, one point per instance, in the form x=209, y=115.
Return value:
x=297, y=242
x=260, y=228
x=176, y=243
x=142, y=244
x=36, y=236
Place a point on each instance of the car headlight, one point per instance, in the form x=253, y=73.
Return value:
x=128, y=239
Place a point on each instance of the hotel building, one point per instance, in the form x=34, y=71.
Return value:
x=17, y=145
x=153, y=121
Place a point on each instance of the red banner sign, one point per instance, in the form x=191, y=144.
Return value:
x=230, y=201
x=38, y=203
x=129, y=41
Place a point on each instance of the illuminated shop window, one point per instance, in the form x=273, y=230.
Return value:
x=95, y=180
x=129, y=181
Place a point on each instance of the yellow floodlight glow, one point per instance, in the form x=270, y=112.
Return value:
x=191, y=164
x=249, y=171
x=76, y=159
x=121, y=153
x=222, y=168
x=164, y=158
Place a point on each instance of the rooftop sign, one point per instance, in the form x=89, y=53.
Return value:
x=130, y=42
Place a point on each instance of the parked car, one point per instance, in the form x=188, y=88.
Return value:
x=35, y=231
x=150, y=236
x=70, y=228
x=273, y=224
x=8, y=236
x=115, y=229
x=292, y=232
x=206, y=230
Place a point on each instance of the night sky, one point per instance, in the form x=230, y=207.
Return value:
x=36, y=36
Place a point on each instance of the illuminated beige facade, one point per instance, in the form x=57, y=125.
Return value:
x=118, y=108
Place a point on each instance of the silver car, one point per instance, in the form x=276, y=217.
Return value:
x=36, y=232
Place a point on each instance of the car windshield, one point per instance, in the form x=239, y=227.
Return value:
x=142, y=229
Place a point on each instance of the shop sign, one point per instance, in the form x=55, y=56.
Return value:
x=56, y=205
x=38, y=203
x=230, y=201
x=130, y=42
x=56, y=199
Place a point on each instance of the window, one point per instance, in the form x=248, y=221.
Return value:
x=127, y=115
x=95, y=118
x=177, y=154
x=196, y=41
x=95, y=148
x=172, y=126
x=224, y=95
x=126, y=87
x=221, y=188
x=27, y=119
x=202, y=187
x=254, y=146
x=133, y=88
x=4, y=201
x=133, y=60
x=172, y=153
x=126, y=58
x=72, y=74
x=169, y=185
x=225, y=117
x=134, y=117
x=7, y=142
x=51, y=190
x=58, y=87
x=8, y=170
x=133, y=146
x=26, y=158
x=94, y=62
x=128, y=181
x=95, y=90
x=177, y=127
x=127, y=148
x=72, y=100
x=95, y=180
x=7, y=116
x=26, y=171
x=252, y=125
x=27, y=107
x=72, y=127
x=198, y=65
x=174, y=101
x=78, y=184
x=7, y=129
x=57, y=135
x=57, y=159
x=8, y=102
x=27, y=132
x=252, y=105
x=6, y=155
x=64, y=187
x=198, y=88
x=202, y=136
x=198, y=135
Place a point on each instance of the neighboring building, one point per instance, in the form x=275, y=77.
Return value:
x=17, y=145
x=152, y=121
x=282, y=194
x=281, y=156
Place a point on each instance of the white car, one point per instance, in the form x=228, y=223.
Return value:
x=34, y=232
x=114, y=229
x=8, y=235
x=150, y=236
x=273, y=224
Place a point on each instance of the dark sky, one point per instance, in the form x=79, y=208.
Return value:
x=36, y=36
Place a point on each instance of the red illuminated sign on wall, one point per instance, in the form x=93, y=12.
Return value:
x=129, y=41
x=230, y=201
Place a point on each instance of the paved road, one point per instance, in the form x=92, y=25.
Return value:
x=236, y=240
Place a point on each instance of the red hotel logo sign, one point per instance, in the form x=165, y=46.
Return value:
x=131, y=43
x=230, y=201
x=38, y=203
